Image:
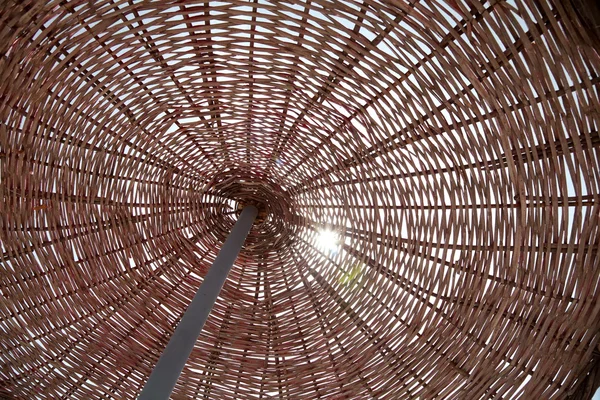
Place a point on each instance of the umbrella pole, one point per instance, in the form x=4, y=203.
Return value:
x=163, y=378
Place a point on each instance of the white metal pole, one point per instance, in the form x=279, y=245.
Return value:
x=163, y=378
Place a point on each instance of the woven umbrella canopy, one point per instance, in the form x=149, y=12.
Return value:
x=427, y=174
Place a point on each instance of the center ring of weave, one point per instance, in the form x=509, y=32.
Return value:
x=274, y=227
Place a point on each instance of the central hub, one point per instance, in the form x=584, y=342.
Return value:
x=230, y=191
x=263, y=211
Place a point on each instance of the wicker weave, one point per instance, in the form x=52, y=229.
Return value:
x=451, y=148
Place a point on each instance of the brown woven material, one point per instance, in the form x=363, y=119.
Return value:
x=451, y=148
